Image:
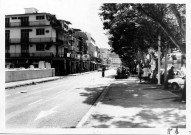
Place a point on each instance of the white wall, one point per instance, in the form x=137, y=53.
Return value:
x=15, y=48
x=32, y=17
x=14, y=32
x=12, y=76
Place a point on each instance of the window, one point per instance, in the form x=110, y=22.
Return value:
x=40, y=31
x=40, y=47
x=14, y=18
x=40, y=17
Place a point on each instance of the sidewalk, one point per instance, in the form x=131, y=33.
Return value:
x=40, y=80
x=129, y=104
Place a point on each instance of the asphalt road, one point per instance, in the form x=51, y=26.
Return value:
x=56, y=104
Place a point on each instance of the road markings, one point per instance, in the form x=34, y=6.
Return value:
x=43, y=114
x=8, y=95
x=60, y=92
x=45, y=89
x=35, y=102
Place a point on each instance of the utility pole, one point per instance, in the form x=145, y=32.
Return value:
x=159, y=54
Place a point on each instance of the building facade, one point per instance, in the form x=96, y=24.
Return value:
x=104, y=55
x=115, y=61
x=94, y=53
x=33, y=38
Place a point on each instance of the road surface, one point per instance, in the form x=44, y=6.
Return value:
x=55, y=104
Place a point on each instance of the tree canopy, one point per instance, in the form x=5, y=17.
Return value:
x=134, y=28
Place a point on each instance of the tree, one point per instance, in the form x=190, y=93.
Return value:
x=170, y=18
x=134, y=28
x=129, y=32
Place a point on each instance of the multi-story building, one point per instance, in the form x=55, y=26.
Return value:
x=98, y=59
x=93, y=51
x=82, y=51
x=33, y=37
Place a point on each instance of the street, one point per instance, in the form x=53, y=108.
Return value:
x=106, y=65
x=55, y=104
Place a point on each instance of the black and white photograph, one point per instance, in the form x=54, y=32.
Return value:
x=94, y=66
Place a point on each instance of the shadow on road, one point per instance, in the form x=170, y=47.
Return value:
x=92, y=94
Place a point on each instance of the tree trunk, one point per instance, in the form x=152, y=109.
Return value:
x=165, y=69
x=159, y=59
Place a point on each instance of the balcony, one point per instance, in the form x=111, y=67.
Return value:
x=29, y=55
x=62, y=55
x=32, y=23
x=31, y=40
x=36, y=55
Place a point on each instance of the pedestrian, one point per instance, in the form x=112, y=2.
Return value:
x=140, y=73
x=184, y=91
x=171, y=73
x=123, y=71
x=103, y=71
x=149, y=73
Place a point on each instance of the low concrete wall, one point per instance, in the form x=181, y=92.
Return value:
x=20, y=75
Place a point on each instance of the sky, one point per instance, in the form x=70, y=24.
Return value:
x=83, y=14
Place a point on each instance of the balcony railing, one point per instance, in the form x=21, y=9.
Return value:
x=31, y=55
x=62, y=55
x=31, y=23
x=36, y=55
x=32, y=40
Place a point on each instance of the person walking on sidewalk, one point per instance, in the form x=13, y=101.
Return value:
x=140, y=73
x=103, y=71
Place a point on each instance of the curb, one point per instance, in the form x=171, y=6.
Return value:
x=31, y=83
x=93, y=107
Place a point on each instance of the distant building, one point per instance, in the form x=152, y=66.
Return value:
x=104, y=55
x=94, y=53
x=115, y=60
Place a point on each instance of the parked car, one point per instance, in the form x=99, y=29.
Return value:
x=179, y=74
x=122, y=73
x=176, y=83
